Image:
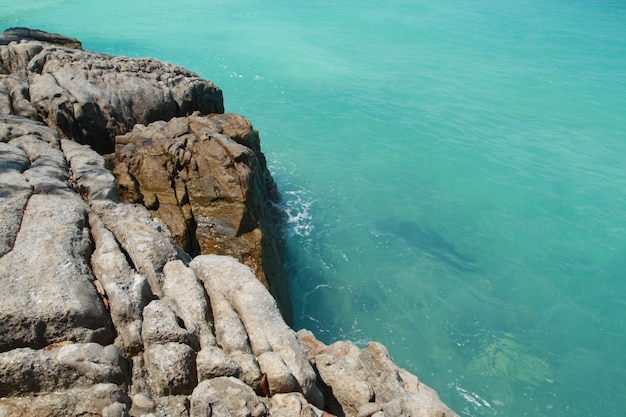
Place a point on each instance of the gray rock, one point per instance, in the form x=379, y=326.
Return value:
x=146, y=241
x=184, y=291
x=279, y=376
x=48, y=293
x=172, y=406
x=24, y=370
x=225, y=397
x=213, y=362
x=171, y=368
x=126, y=290
x=21, y=33
x=95, y=400
x=338, y=368
x=14, y=193
x=230, y=333
x=161, y=325
x=232, y=287
x=14, y=97
x=293, y=405
x=94, y=97
x=90, y=176
x=366, y=382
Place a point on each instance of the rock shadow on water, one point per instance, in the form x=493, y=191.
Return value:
x=427, y=241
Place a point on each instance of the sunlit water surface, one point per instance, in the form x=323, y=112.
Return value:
x=453, y=173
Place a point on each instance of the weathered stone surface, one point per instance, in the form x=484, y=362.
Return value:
x=293, y=405
x=26, y=370
x=212, y=190
x=171, y=368
x=106, y=400
x=338, y=368
x=47, y=293
x=91, y=179
x=226, y=279
x=20, y=33
x=146, y=241
x=79, y=266
x=92, y=97
x=14, y=193
x=14, y=97
x=366, y=382
x=225, y=397
x=126, y=291
x=161, y=325
x=184, y=291
x=213, y=362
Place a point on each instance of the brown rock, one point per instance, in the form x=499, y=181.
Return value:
x=213, y=191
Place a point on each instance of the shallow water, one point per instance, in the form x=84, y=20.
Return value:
x=453, y=172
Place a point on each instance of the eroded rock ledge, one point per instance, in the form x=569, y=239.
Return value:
x=142, y=293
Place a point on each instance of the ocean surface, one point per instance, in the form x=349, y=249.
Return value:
x=454, y=174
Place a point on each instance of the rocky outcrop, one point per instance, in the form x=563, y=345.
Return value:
x=207, y=180
x=366, y=382
x=103, y=312
x=94, y=97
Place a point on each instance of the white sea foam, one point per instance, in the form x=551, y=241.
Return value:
x=297, y=205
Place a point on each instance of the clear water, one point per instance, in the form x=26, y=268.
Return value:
x=453, y=170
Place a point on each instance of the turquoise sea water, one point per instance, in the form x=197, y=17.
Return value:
x=454, y=173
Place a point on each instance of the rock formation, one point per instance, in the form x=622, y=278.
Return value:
x=134, y=305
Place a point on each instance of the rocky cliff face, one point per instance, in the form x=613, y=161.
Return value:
x=142, y=293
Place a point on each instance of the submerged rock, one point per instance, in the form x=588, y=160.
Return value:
x=103, y=312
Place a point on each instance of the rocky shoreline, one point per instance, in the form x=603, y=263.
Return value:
x=139, y=240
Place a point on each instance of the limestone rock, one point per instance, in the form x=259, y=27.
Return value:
x=47, y=293
x=293, y=405
x=25, y=370
x=161, y=325
x=213, y=191
x=127, y=291
x=171, y=368
x=100, y=303
x=146, y=241
x=107, y=400
x=338, y=368
x=21, y=33
x=92, y=97
x=184, y=291
x=90, y=177
x=366, y=382
x=226, y=279
x=225, y=397
x=213, y=362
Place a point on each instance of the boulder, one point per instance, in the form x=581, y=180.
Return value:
x=293, y=405
x=366, y=382
x=145, y=241
x=213, y=362
x=212, y=190
x=236, y=295
x=171, y=368
x=225, y=397
x=29, y=371
x=126, y=291
x=161, y=325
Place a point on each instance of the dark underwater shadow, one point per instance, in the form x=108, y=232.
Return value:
x=427, y=241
